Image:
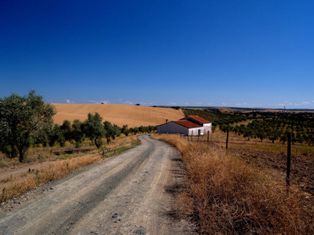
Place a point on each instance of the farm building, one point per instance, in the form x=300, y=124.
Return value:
x=192, y=126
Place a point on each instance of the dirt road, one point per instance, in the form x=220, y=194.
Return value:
x=123, y=195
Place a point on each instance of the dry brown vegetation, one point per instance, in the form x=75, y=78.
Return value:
x=119, y=114
x=273, y=156
x=17, y=178
x=14, y=186
x=226, y=195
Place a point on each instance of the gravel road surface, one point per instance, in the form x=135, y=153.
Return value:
x=126, y=194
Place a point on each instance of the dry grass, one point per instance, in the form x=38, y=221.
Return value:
x=44, y=154
x=17, y=178
x=224, y=195
x=14, y=186
x=123, y=140
x=119, y=114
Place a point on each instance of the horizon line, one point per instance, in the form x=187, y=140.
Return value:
x=191, y=106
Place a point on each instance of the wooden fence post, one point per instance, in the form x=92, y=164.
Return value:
x=288, y=160
x=227, y=139
x=207, y=136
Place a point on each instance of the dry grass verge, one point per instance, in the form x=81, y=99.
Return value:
x=225, y=195
x=18, y=178
x=13, y=187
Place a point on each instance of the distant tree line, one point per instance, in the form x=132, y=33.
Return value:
x=93, y=129
x=273, y=126
x=28, y=121
x=277, y=128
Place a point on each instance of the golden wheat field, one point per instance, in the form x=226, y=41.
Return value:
x=119, y=114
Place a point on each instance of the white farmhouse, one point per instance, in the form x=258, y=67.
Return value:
x=191, y=126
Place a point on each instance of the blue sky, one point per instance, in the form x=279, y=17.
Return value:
x=228, y=53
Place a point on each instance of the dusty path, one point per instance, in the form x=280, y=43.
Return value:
x=124, y=195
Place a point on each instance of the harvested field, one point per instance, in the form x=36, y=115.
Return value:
x=119, y=114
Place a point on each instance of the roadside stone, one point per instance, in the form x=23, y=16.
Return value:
x=140, y=231
x=114, y=215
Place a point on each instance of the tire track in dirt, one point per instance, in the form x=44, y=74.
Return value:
x=123, y=195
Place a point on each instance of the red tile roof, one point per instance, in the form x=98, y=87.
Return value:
x=187, y=123
x=197, y=119
x=192, y=121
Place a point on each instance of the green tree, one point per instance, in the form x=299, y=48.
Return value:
x=136, y=130
x=66, y=130
x=109, y=131
x=77, y=133
x=94, y=129
x=21, y=120
x=125, y=130
x=42, y=137
x=142, y=129
x=55, y=135
x=116, y=132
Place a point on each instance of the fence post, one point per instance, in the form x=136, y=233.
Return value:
x=288, y=159
x=227, y=139
x=207, y=136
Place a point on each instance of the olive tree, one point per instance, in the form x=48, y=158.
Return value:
x=109, y=131
x=125, y=130
x=65, y=129
x=77, y=133
x=94, y=129
x=21, y=120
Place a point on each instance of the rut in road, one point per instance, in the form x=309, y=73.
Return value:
x=123, y=195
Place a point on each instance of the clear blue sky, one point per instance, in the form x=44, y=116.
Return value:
x=214, y=52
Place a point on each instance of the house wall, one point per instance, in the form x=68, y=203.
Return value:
x=172, y=128
x=203, y=130
x=194, y=131
x=208, y=127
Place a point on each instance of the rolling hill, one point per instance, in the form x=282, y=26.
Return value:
x=120, y=114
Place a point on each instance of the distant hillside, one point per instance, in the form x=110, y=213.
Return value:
x=120, y=114
x=239, y=109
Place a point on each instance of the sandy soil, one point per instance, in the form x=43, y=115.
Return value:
x=119, y=114
x=123, y=195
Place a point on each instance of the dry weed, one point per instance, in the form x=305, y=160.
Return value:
x=230, y=196
x=34, y=178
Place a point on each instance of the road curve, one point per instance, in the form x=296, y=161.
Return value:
x=123, y=195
